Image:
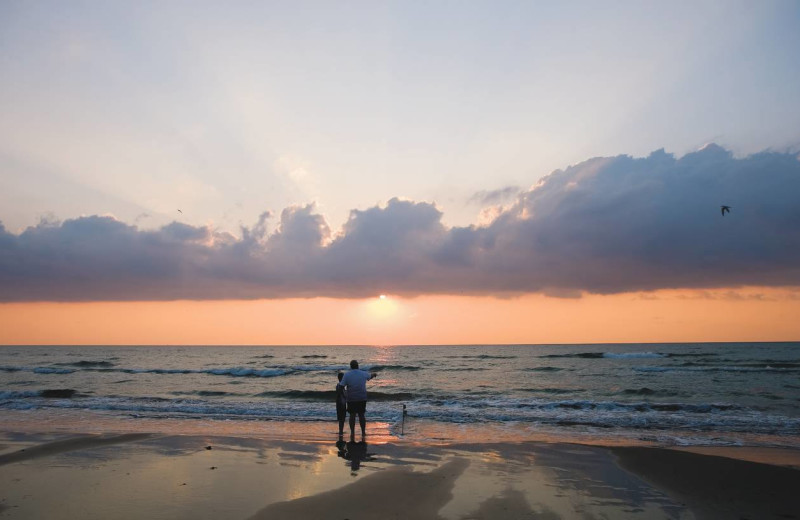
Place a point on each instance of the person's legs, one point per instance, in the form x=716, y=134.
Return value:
x=352, y=426
x=363, y=422
x=341, y=416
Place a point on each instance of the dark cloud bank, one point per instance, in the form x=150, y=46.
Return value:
x=606, y=225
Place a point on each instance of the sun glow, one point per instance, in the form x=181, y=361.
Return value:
x=742, y=314
x=382, y=307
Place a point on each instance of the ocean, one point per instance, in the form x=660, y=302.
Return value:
x=741, y=394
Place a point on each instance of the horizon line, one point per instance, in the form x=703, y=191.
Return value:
x=343, y=345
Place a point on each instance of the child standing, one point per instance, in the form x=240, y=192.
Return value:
x=341, y=405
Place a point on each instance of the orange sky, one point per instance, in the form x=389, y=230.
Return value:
x=753, y=314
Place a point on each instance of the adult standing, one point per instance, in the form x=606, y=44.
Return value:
x=355, y=381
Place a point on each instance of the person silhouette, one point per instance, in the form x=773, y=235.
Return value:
x=355, y=382
x=341, y=404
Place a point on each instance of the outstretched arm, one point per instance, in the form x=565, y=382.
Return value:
x=373, y=375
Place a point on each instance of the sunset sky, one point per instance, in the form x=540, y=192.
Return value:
x=501, y=172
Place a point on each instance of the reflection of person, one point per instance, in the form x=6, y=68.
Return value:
x=355, y=381
x=341, y=405
x=355, y=452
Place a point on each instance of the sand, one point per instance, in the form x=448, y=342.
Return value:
x=718, y=487
x=392, y=494
x=68, y=445
x=133, y=476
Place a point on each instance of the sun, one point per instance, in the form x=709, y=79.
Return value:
x=381, y=307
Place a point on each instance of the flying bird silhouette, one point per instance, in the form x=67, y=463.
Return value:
x=724, y=209
x=181, y=212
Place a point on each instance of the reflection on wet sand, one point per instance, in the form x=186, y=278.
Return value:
x=213, y=477
x=354, y=452
x=393, y=493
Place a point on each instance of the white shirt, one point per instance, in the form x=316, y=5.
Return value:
x=355, y=380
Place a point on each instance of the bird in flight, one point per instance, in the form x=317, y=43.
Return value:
x=181, y=212
x=724, y=209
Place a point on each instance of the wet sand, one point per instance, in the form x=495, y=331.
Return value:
x=68, y=445
x=133, y=476
x=718, y=487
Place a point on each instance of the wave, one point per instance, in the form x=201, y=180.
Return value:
x=763, y=365
x=245, y=372
x=583, y=355
x=18, y=395
x=444, y=404
x=292, y=405
x=551, y=390
x=378, y=368
x=711, y=368
x=51, y=370
x=265, y=356
x=745, y=361
x=233, y=371
x=38, y=370
x=634, y=355
x=718, y=419
x=314, y=356
x=281, y=370
x=608, y=355
x=481, y=356
x=702, y=408
x=208, y=393
x=317, y=368
x=692, y=354
x=771, y=364
x=57, y=393
x=330, y=395
x=648, y=391
x=639, y=391
x=84, y=363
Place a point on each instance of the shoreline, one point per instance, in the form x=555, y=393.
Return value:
x=75, y=441
x=416, y=431
x=182, y=477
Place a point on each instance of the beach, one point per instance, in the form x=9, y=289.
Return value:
x=636, y=431
x=135, y=476
x=545, y=255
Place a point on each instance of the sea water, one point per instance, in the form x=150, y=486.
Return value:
x=668, y=394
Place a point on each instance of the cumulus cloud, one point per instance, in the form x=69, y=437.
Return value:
x=606, y=225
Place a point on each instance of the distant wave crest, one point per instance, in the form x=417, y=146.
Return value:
x=607, y=355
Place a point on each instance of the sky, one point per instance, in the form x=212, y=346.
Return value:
x=501, y=172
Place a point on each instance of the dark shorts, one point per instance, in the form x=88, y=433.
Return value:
x=341, y=411
x=357, y=406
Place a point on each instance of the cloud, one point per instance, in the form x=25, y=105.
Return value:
x=498, y=196
x=606, y=225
